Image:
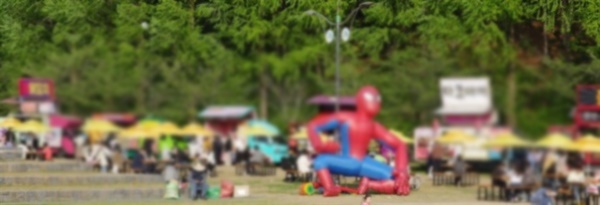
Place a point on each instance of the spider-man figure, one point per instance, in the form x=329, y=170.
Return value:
x=355, y=130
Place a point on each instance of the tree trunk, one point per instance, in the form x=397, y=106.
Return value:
x=264, y=95
x=511, y=95
x=545, y=36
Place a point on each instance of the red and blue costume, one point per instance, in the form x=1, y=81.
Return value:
x=348, y=156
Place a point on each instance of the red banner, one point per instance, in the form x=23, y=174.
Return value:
x=36, y=89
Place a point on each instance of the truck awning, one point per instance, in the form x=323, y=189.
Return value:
x=464, y=110
x=225, y=112
x=331, y=100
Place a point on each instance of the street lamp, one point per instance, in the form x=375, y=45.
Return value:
x=337, y=36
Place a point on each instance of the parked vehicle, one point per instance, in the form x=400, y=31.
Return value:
x=275, y=148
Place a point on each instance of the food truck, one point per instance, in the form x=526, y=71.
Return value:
x=37, y=101
x=225, y=121
x=466, y=106
x=586, y=117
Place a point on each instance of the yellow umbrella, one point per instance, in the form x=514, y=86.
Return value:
x=506, y=140
x=10, y=123
x=555, y=140
x=401, y=136
x=196, y=129
x=302, y=134
x=168, y=128
x=136, y=133
x=32, y=126
x=102, y=126
x=148, y=124
x=455, y=137
x=586, y=143
x=256, y=131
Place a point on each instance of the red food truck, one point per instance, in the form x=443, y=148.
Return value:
x=586, y=117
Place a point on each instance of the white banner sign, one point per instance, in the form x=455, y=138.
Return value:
x=461, y=92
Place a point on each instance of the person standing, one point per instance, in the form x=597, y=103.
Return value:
x=534, y=157
x=227, y=147
x=197, y=180
x=218, y=150
x=366, y=200
x=460, y=169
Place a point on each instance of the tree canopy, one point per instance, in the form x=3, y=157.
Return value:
x=173, y=57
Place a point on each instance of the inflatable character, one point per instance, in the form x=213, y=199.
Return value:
x=348, y=155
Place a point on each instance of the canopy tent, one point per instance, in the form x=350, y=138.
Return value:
x=506, y=140
x=329, y=100
x=256, y=128
x=196, y=129
x=301, y=134
x=226, y=112
x=455, y=137
x=168, y=128
x=119, y=118
x=97, y=125
x=249, y=131
x=32, y=126
x=262, y=124
x=586, y=143
x=10, y=123
x=137, y=133
x=148, y=124
x=555, y=141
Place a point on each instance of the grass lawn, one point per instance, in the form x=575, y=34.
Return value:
x=273, y=191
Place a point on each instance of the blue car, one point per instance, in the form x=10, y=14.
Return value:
x=274, y=148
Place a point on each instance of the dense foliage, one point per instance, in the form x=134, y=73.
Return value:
x=173, y=57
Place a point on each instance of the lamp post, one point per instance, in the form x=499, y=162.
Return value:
x=344, y=35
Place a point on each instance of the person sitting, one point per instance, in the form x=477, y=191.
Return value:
x=197, y=180
x=304, y=164
x=46, y=153
x=544, y=195
x=257, y=158
x=118, y=160
x=515, y=182
x=499, y=176
x=97, y=155
x=460, y=169
x=289, y=165
x=170, y=172
x=24, y=150
x=576, y=180
x=592, y=188
x=137, y=161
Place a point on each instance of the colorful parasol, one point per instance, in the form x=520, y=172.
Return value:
x=455, y=137
x=586, y=143
x=196, y=129
x=10, y=123
x=32, y=126
x=137, y=133
x=168, y=128
x=98, y=125
x=506, y=140
x=556, y=141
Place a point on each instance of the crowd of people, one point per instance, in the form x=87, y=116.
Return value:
x=542, y=172
x=29, y=145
